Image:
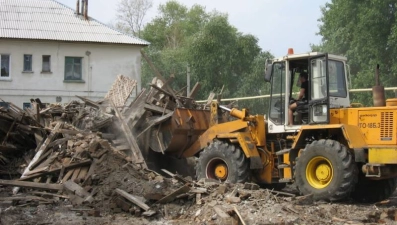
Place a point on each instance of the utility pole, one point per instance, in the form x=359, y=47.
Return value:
x=188, y=80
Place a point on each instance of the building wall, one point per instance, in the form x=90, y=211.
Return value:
x=101, y=63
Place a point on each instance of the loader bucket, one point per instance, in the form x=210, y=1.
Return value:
x=179, y=132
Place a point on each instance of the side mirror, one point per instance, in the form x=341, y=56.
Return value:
x=268, y=72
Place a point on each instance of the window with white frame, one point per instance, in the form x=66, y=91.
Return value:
x=27, y=63
x=46, y=63
x=5, y=65
x=73, y=68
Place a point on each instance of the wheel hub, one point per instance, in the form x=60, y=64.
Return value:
x=221, y=171
x=319, y=172
x=323, y=172
x=217, y=169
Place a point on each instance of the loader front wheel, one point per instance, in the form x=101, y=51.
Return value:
x=224, y=162
x=371, y=191
x=327, y=170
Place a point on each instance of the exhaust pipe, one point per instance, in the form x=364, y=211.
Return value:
x=378, y=91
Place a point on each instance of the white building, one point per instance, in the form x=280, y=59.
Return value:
x=52, y=52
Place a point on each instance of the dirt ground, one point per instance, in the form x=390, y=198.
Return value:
x=218, y=204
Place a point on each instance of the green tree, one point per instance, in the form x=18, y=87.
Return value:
x=217, y=53
x=169, y=34
x=365, y=32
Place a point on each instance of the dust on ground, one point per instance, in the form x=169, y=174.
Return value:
x=220, y=203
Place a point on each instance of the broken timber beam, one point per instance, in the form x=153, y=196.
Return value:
x=157, y=109
x=40, y=151
x=173, y=195
x=76, y=189
x=159, y=76
x=89, y=102
x=132, y=199
x=176, y=177
x=27, y=184
x=194, y=91
x=57, y=170
x=136, y=152
x=157, y=121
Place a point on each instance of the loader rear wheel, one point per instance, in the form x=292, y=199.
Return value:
x=223, y=161
x=371, y=191
x=327, y=170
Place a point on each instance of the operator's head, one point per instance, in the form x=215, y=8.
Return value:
x=303, y=75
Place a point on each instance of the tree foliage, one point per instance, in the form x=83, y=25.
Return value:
x=217, y=53
x=365, y=31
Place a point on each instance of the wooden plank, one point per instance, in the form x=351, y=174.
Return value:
x=59, y=141
x=136, y=104
x=75, y=174
x=157, y=109
x=136, y=152
x=24, y=198
x=119, y=141
x=157, y=121
x=89, y=102
x=174, y=194
x=48, y=194
x=159, y=76
x=161, y=90
x=67, y=176
x=176, y=177
x=57, y=170
x=132, y=199
x=121, y=90
x=91, y=171
x=75, y=189
x=199, y=190
x=27, y=184
x=221, y=213
x=83, y=173
x=198, y=199
x=40, y=151
x=40, y=160
x=210, y=98
x=71, y=132
x=38, y=170
x=194, y=91
x=50, y=160
x=123, y=147
x=90, y=198
x=239, y=216
x=9, y=131
x=61, y=174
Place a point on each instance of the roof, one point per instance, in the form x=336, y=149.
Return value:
x=308, y=55
x=51, y=20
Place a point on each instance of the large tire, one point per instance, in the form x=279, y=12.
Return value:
x=327, y=170
x=370, y=191
x=223, y=161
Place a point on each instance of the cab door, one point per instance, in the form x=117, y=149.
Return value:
x=319, y=90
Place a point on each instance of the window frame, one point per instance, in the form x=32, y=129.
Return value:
x=9, y=66
x=24, y=63
x=71, y=78
x=49, y=64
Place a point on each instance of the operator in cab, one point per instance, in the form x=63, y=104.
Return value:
x=302, y=98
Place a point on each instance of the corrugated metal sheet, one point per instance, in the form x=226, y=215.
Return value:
x=51, y=20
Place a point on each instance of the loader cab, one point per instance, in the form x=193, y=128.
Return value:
x=327, y=88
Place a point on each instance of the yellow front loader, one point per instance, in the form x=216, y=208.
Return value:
x=334, y=151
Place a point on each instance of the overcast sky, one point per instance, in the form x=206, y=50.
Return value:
x=278, y=24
